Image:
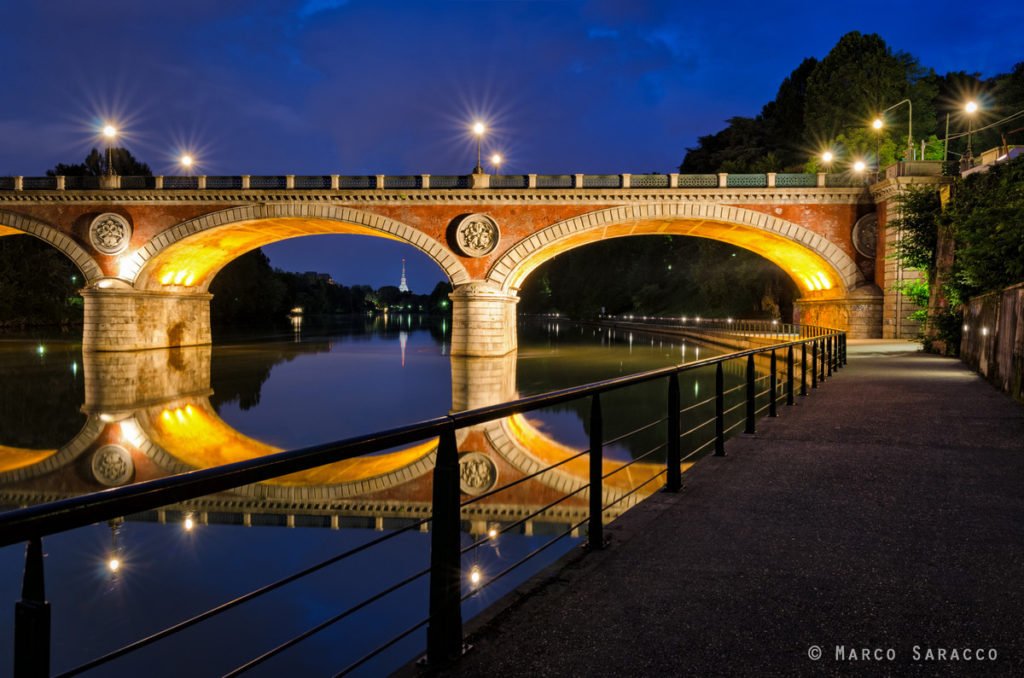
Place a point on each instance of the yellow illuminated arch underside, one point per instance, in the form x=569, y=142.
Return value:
x=194, y=261
x=14, y=458
x=813, y=275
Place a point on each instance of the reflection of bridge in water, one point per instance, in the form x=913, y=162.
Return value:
x=149, y=415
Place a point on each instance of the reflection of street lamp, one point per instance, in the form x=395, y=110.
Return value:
x=110, y=132
x=478, y=132
x=970, y=108
x=496, y=161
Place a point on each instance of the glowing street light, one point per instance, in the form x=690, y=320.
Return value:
x=110, y=133
x=826, y=160
x=114, y=564
x=971, y=107
x=859, y=166
x=478, y=131
x=496, y=161
x=877, y=124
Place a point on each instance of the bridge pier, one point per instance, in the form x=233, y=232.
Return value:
x=483, y=320
x=121, y=318
x=859, y=312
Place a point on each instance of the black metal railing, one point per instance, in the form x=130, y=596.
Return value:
x=443, y=621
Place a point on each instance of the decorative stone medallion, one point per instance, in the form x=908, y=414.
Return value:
x=477, y=473
x=110, y=233
x=112, y=465
x=865, y=235
x=476, y=235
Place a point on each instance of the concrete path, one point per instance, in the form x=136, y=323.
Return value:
x=885, y=511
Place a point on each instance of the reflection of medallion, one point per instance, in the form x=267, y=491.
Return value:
x=110, y=233
x=477, y=473
x=476, y=235
x=865, y=235
x=112, y=465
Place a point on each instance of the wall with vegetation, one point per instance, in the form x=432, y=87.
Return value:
x=993, y=339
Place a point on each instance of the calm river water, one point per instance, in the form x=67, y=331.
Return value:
x=73, y=423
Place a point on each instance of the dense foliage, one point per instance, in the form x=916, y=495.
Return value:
x=831, y=103
x=38, y=284
x=659, y=275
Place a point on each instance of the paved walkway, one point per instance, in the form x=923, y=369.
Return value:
x=886, y=510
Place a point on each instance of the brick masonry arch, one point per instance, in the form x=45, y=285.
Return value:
x=278, y=221
x=11, y=221
x=771, y=235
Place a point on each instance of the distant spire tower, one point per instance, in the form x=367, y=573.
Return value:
x=402, y=286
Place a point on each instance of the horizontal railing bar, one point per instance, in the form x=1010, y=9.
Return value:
x=698, y=427
x=637, y=488
x=738, y=423
x=633, y=461
x=734, y=407
x=224, y=607
x=66, y=514
x=537, y=551
x=322, y=625
x=522, y=520
x=733, y=389
x=698, y=449
x=409, y=631
x=635, y=431
x=695, y=405
x=533, y=475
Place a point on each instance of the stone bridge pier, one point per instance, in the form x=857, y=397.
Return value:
x=121, y=318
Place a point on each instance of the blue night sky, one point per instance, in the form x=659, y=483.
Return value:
x=361, y=87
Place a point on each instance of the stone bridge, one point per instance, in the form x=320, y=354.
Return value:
x=148, y=247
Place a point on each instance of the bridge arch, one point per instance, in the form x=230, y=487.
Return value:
x=190, y=254
x=13, y=223
x=820, y=268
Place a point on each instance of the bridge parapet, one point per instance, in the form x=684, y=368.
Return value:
x=336, y=182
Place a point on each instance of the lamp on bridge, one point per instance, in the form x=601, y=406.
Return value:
x=186, y=161
x=859, y=166
x=478, y=132
x=826, y=159
x=971, y=107
x=496, y=161
x=110, y=133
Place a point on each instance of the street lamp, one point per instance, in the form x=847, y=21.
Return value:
x=877, y=124
x=186, y=162
x=971, y=107
x=110, y=133
x=496, y=160
x=859, y=166
x=478, y=132
x=826, y=160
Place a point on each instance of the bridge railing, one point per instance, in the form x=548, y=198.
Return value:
x=816, y=354
x=417, y=182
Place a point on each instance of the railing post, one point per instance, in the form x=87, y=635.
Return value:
x=751, y=395
x=444, y=632
x=814, y=363
x=773, y=385
x=595, y=530
x=673, y=479
x=789, y=376
x=828, y=355
x=719, y=411
x=32, y=618
x=803, y=368
x=844, y=348
x=821, y=362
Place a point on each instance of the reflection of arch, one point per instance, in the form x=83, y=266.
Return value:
x=194, y=251
x=20, y=464
x=12, y=222
x=800, y=252
x=186, y=435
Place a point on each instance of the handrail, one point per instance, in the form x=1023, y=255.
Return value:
x=445, y=626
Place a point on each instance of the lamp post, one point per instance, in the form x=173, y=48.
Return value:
x=496, y=161
x=971, y=107
x=110, y=133
x=478, y=132
x=877, y=124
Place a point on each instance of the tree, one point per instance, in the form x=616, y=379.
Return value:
x=95, y=164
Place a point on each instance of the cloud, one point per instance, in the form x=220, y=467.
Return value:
x=313, y=7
